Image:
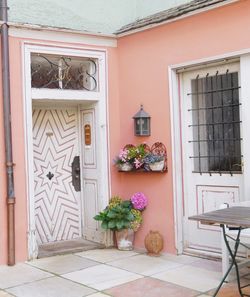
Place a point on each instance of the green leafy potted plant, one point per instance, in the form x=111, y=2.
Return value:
x=124, y=217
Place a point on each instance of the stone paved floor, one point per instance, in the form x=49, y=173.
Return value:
x=109, y=272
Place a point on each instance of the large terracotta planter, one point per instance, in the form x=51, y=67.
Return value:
x=125, y=239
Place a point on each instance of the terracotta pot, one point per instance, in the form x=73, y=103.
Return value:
x=153, y=243
x=125, y=239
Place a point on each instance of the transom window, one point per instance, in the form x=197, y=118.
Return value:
x=64, y=72
x=216, y=123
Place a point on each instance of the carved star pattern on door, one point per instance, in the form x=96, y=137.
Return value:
x=57, y=205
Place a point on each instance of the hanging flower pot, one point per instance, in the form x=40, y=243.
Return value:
x=125, y=167
x=157, y=166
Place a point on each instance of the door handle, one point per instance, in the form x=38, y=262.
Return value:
x=76, y=174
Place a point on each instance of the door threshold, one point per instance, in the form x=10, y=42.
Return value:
x=67, y=247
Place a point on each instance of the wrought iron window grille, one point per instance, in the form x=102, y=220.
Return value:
x=216, y=124
x=63, y=72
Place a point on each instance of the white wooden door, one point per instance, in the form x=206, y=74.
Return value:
x=91, y=177
x=57, y=204
x=211, y=146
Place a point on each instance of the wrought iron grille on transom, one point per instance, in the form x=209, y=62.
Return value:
x=216, y=123
x=64, y=72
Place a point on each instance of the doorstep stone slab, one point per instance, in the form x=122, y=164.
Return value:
x=62, y=264
x=51, y=287
x=101, y=276
x=20, y=274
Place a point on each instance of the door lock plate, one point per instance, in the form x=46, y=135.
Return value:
x=76, y=174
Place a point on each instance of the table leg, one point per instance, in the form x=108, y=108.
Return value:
x=234, y=263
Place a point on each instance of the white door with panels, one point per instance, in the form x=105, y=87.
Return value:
x=212, y=148
x=57, y=202
x=90, y=175
x=65, y=174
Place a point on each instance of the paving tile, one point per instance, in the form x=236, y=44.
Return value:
x=231, y=289
x=106, y=255
x=5, y=294
x=191, y=277
x=145, y=265
x=182, y=259
x=19, y=274
x=51, y=287
x=148, y=287
x=99, y=295
x=102, y=276
x=63, y=264
x=208, y=265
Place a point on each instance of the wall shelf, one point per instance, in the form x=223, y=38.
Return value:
x=150, y=160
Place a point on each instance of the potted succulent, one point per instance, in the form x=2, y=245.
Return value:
x=124, y=217
x=154, y=162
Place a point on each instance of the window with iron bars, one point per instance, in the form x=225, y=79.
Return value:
x=216, y=123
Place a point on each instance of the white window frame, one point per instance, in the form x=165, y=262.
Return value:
x=174, y=91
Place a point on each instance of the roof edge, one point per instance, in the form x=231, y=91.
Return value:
x=58, y=29
x=171, y=15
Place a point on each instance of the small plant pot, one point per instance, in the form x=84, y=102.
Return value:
x=157, y=166
x=125, y=167
x=153, y=243
x=125, y=239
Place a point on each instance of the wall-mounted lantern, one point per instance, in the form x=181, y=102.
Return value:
x=142, y=123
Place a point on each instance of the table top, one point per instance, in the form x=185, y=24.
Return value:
x=233, y=216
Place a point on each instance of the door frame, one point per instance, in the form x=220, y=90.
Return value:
x=176, y=133
x=50, y=96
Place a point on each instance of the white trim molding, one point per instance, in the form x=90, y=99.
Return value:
x=174, y=90
x=56, y=97
x=65, y=36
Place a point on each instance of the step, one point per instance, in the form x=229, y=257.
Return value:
x=67, y=247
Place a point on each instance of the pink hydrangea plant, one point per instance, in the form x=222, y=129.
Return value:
x=139, y=201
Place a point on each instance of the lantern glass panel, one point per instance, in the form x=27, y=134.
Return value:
x=142, y=127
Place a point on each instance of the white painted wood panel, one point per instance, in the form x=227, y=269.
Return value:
x=57, y=204
x=203, y=192
x=91, y=177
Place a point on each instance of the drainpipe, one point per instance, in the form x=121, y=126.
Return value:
x=7, y=133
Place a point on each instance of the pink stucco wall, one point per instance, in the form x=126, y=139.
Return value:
x=17, y=107
x=143, y=76
x=137, y=74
